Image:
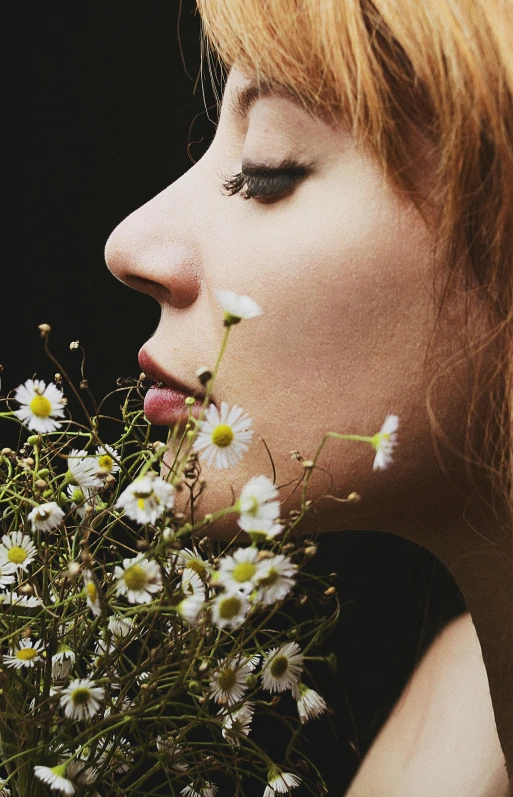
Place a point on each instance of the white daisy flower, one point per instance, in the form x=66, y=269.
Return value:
x=206, y=790
x=258, y=504
x=119, y=758
x=230, y=609
x=279, y=782
x=120, y=627
x=275, y=579
x=282, y=668
x=6, y=574
x=384, y=442
x=56, y=778
x=187, y=558
x=92, y=593
x=23, y=601
x=25, y=654
x=237, y=722
x=139, y=579
x=239, y=571
x=81, y=699
x=146, y=499
x=40, y=404
x=107, y=456
x=80, y=772
x=84, y=498
x=18, y=549
x=83, y=467
x=265, y=532
x=62, y=662
x=228, y=683
x=193, y=588
x=224, y=436
x=237, y=307
x=167, y=746
x=310, y=704
x=45, y=517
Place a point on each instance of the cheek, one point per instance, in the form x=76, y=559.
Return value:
x=344, y=273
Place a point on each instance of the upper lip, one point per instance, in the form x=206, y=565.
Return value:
x=154, y=371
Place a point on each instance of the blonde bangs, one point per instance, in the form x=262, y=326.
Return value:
x=390, y=67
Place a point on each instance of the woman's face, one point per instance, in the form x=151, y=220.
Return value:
x=342, y=267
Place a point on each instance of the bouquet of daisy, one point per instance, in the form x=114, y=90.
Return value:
x=136, y=650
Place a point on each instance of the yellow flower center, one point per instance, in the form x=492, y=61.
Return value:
x=279, y=666
x=26, y=654
x=244, y=571
x=198, y=567
x=81, y=696
x=222, y=435
x=141, y=503
x=229, y=607
x=41, y=406
x=270, y=579
x=17, y=555
x=227, y=679
x=136, y=577
x=106, y=461
x=91, y=591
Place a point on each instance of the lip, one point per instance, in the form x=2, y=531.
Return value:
x=165, y=405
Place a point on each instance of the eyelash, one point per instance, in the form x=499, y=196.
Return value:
x=265, y=182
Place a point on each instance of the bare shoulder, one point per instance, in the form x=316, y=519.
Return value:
x=440, y=738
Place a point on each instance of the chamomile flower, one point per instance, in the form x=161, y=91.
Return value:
x=237, y=722
x=228, y=683
x=193, y=588
x=83, y=468
x=40, y=405
x=230, y=609
x=84, y=498
x=6, y=574
x=187, y=558
x=62, y=662
x=23, y=601
x=239, y=571
x=81, y=699
x=120, y=627
x=384, y=442
x=275, y=579
x=18, y=549
x=282, y=668
x=224, y=436
x=25, y=654
x=146, y=498
x=258, y=504
x=279, y=782
x=139, y=579
x=107, y=456
x=45, y=517
x=310, y=704
x=56, y=778
x=237, y=307
x=92, y=593
x=206, y=790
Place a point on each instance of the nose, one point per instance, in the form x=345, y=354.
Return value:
x=153, y=249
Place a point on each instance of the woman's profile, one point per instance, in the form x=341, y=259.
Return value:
x=360, y=189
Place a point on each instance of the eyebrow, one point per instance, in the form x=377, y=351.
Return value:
x=242, y=100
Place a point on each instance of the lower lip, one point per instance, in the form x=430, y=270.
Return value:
x=164, y=406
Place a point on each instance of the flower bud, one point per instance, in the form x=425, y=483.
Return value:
x=74, y=344
x=41, y=484
x=33, y=440
x=195, y=687
x=190, y=400
x=45, y=330
x=311, y=550
x=251, y=680
x=7, y=452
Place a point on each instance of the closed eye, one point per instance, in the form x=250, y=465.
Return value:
x=265, y=183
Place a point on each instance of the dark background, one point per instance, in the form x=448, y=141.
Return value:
x=103, y=109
